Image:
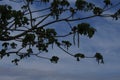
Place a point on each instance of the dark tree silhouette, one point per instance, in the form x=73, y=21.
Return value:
x=21, y=30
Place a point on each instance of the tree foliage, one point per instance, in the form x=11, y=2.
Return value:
x=20, y=29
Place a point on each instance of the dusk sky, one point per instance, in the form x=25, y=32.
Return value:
x=106, y=41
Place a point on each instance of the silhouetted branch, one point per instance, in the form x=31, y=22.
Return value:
x=65, y=51
x=113, y=6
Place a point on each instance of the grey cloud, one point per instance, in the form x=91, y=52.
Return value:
x=69, y=71
x=56, y=76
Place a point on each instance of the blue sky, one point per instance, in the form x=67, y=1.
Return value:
x=106, y=41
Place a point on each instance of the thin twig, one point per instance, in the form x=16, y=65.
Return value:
x=38, y=10
x=30, y=13
x=66, y=51
x=40, y=56
x=64, y=35
x=112, y=6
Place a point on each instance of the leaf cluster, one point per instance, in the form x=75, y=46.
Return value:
x=32, y=32
x=78, y=56
x=99, y=58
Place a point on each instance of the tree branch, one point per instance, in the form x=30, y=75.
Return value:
x=38, y=10
x=40, y=56
x=30, y=13
x=66, y=51
x=112, y=6
x=49, y=23
x=64, y=35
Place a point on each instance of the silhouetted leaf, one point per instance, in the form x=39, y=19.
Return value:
x=78, y=56
x=80, y=4
x=107, y=2
x=29, y=50
x=13, y=45
x=67, y=44
x=2, y=53
x=99, y=58
x=28, y=40
x=54, y=59
x=97, y=11
x=15, y=61
x=85, y=29
x=5, y=45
